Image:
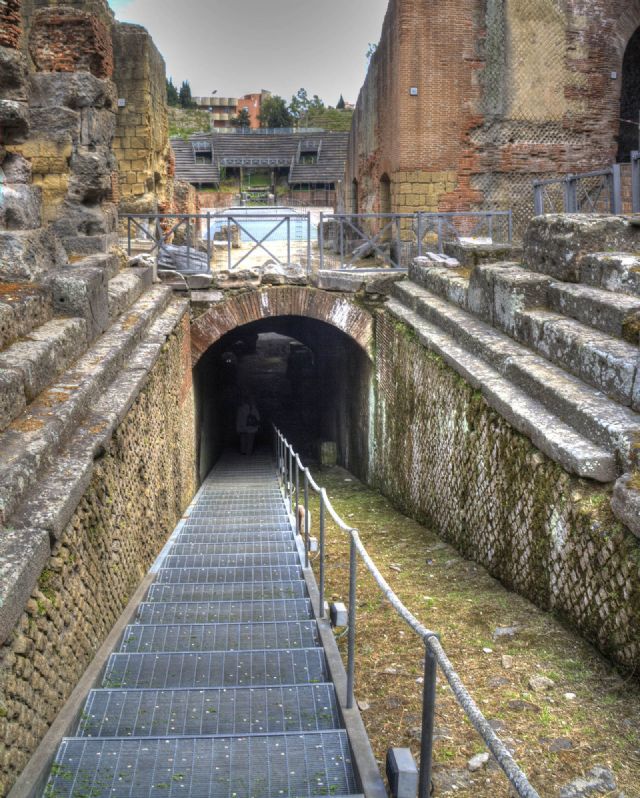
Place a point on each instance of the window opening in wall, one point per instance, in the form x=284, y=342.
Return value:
x=629, y=137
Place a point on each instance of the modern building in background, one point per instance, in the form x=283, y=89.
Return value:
x=224, y=109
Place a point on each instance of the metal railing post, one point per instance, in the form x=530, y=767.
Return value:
x=129, y=236
x=309, y=268
x=635, y=181
x=419, y=233
x=321, y=239
x=510, y=226
x=428, y=717
x=351, y=641
x=616, y=189
x=538, y=199
x=491, y=227
x=208, y=239
x=297, y=491
x=322, y=522
x=306, y=518
x=288, y=240
x=398, y=262
x=440, y=241
x=290, y=494
x=570, y=194
x=229, y=242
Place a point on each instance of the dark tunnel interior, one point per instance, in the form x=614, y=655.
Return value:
x=306, y=377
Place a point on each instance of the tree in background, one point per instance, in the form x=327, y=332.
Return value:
x=301, y=107
x=242, y=119
x=274, y=113
x=340, y=104
x=186, y=101
x=173, y=98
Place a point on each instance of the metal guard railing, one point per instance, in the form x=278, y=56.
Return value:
x=289, y=469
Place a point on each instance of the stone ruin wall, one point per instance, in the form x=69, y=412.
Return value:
x=138, y=490
x=507, y=92
x=450, y=461
x=142, y=134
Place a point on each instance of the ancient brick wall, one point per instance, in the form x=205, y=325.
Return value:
x=142, y=143
x=138, y=491
x=10, y=23
x=447, y=459
x=70, y=40
x=507, y=92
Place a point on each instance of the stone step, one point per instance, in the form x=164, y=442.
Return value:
x=33, y=440
x=23, y=307
x=619, y=272
x=213, y=711
x=579, y=405
x=602, y=361
x=246, y=611
x=31, y=364
x=272, y=766
x=557, y=439
x=138, y=638
x=615, y=314
x=125, y=288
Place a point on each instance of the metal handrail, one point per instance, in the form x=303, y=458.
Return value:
x=435, y=654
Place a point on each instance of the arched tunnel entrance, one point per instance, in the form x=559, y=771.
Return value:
x=306, y=376
x=630, y=99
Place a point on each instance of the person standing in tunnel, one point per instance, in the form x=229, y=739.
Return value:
x=247, y=424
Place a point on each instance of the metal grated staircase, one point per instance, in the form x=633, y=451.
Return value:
x=221, y=688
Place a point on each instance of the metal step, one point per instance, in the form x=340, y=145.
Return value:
x=190, y=535
x=216, y=669
x=213, y=575
x=236, y=526
x=216, y=711
x=230, y=560
x=232, y=591
x=268, y=547
x=256, y=766
x=219, y=636
x=276, y=611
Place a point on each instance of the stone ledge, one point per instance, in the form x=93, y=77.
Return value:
x=53, y=500
x=377, y=281
x=23, y=555
x=30, y=443
x=552, y=436
x=626, y=502
x=581, y=406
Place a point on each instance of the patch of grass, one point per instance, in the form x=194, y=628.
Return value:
x=459, y=600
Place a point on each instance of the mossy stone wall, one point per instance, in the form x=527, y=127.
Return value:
x=446, y=458
x=137, y=493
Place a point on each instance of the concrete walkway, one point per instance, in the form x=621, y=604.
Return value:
x=220, y=688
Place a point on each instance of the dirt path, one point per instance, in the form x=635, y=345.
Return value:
x=590, y=716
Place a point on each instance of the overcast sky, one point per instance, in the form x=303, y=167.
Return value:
x=241, y=46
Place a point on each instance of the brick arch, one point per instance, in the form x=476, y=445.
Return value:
x=332, y=308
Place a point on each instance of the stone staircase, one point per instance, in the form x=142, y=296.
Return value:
x=75, y=348
x=221, y=686
x=559, y=359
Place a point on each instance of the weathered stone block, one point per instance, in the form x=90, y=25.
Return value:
x=23, y=555
x=20, y=207
x=16, y=168
x=59, y=125
x=91, y=172
x=557, y=244
x=30, y=254
x=14, y=121
x=618, y=272
x=516, y=290
x=12, y=398
x=13, y=74
x=625, y=502
x=71, y=90
x=82, y=291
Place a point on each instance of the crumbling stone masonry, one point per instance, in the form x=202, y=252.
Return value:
x=142, y=134
x=452, y=462
x=139, y=486
x=466, y=103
